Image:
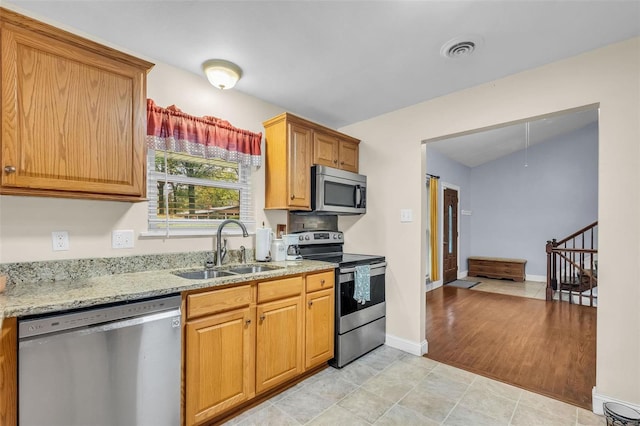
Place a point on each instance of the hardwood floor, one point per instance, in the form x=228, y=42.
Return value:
x=545, y=347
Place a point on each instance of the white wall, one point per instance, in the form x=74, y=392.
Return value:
x=26, y=223
x=391, y=157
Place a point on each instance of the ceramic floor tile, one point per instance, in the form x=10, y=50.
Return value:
x=402, y=416
x=527, y=416
x=419, y=362
x=246, y=414
x=462, y=416
x=455, y=373
x=303, y=406
x=404, y=371
x=497, y=388
x=331, y=388
x=442, y=385
x=432, y=406
x=589, y=418
x=366, y=405
x=388, y=386
x=337, y=415
x=357, y=373
x=489, y=404
x=269, y=416
x=381, y=358
x=548, y=405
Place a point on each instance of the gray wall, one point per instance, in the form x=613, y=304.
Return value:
x=516, y=209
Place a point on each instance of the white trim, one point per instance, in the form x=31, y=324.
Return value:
x=408, y=346
x=598, y=399
x=462, y=274
x=536, y=278
x=428, y=286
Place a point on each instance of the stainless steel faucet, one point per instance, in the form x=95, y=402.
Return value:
x=220, y=253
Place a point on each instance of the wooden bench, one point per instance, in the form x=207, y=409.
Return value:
x=496, y=267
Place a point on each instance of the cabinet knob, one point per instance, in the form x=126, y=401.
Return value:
x=342, y=163
x=262, y=317
x=9, y=169
x=310, y=303
x=335, y=161
x=321, y=282
x=248, y=321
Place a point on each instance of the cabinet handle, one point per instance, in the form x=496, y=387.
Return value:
x=9, y=169
x=262, y=317
x=310, y=303
x=248, y=321
x=293, y=196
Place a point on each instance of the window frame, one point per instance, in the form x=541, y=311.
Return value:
x=165, y=227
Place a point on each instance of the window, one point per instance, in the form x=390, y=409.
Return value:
x=193, y=195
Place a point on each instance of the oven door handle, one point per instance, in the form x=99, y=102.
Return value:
x=374, y=266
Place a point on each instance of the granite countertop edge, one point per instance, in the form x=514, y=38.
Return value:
x=43, y=298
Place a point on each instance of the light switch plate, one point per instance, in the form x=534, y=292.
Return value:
x=122, y=239
x=406, y=215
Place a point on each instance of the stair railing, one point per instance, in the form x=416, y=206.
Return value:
x=572, y=266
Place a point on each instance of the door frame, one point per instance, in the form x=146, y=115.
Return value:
x=444, y=185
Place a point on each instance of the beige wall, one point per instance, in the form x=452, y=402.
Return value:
x=391, y=157
x=26, y=223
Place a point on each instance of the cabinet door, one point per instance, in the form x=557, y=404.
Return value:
x=319, y=324
x=348, y=155
x=299, y=155
x=73, y=120
x=219, y=364
x=325, y=150
x=278, y=342
x=9, y=372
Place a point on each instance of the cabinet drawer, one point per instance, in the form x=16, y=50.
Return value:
x=278, y=289
x=320, y=281
x=214, y=301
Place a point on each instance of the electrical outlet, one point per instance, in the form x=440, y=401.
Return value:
x=406, y=215
x=122, y=239
x=60, y=240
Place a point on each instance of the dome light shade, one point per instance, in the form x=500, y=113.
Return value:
x=222, y=74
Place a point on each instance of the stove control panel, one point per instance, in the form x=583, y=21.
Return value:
x=320, y=237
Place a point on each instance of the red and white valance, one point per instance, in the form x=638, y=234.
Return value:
x=169, y=129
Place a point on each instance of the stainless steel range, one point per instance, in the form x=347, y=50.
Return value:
x=360, y=327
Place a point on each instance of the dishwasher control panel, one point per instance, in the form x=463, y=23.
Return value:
x=57, y=322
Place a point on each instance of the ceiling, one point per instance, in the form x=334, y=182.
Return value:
x=477, y=148
x=340, y=62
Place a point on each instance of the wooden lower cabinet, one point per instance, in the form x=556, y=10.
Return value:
x=246, y=340
x=219, y=364
x=278, y=342
x=9, y=372
x=319, y=326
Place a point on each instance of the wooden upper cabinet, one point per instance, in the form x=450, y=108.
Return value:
x=74, y=115
x=293, y=144
x=289, y=149
x=335, y=150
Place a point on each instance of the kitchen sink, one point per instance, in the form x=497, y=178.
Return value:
x=252, y=269
x=203, y=274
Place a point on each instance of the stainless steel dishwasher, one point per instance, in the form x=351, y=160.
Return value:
x=113, y=366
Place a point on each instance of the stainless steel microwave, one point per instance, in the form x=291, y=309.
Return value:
x=335, y=191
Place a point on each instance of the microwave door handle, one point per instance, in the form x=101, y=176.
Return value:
x=357, y=196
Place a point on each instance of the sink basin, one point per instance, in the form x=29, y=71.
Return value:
x=203, y=274
x=252, y=269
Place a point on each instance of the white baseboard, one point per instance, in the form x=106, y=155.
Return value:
x=432, y=285
x=536, y=278
x=408, y=346
x=462, y=274
x=598, y=399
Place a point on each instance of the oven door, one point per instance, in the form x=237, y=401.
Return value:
x=338, y=192
x=351, y=314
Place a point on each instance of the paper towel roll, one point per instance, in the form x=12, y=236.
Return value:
x=263, y=244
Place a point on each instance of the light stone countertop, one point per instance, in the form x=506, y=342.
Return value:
x=42, y=298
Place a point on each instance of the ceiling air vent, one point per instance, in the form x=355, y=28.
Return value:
x=461, y=47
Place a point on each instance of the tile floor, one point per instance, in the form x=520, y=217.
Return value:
x=390, y=387
x=531, y=289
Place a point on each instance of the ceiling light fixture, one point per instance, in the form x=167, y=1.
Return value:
x=222, y=74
